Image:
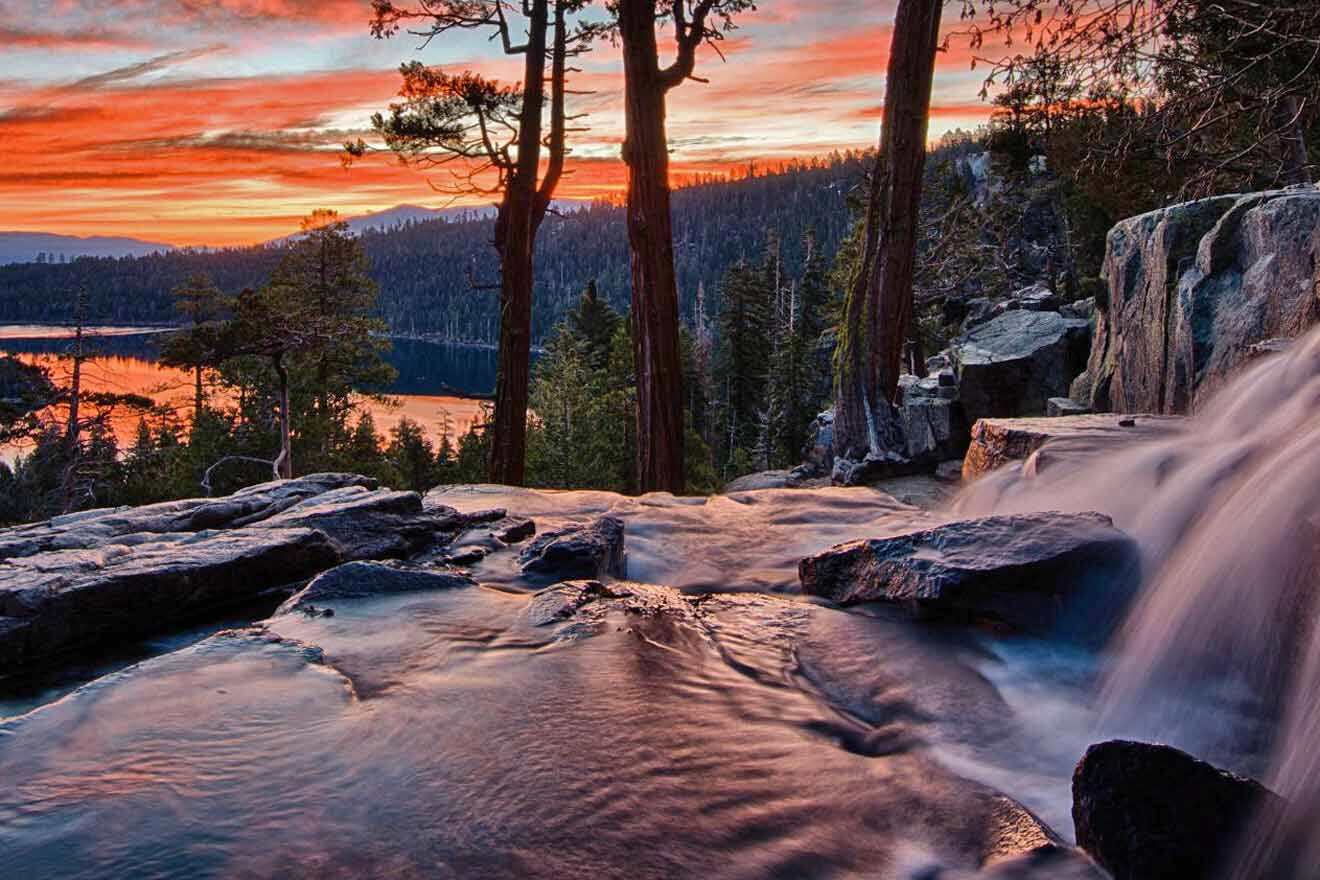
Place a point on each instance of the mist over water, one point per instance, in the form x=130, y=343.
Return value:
x=1223, y=635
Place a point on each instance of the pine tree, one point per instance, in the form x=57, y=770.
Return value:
x=412, y=456
x=594, y=321
x=742, y=361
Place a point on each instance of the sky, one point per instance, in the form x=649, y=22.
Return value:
x=220, y=122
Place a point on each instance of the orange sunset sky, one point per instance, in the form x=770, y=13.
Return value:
x=220, y=121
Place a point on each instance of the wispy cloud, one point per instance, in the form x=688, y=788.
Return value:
x=142, y=68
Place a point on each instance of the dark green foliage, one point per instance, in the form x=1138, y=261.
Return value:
x=767, y=383
x=411, y=457
x=304, y=344
x=583, y=433
x=742, y=359
x=595, y=323
x=717, y=222
x=24, y=389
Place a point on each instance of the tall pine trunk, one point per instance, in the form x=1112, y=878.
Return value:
x=879, y=308
x=515, y=238
x=656, y=346
x=509, y=438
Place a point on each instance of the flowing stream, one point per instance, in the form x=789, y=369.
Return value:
x=1228, y=516
x=726, y=727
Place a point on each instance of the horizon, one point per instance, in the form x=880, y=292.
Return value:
x=222, y=126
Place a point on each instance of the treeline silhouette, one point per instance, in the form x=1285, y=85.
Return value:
x=434, y=274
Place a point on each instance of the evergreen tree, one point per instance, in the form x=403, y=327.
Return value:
x=197, y=301
x=302, y=345
x=594, y=322
x=411, y=456
x=742, y=361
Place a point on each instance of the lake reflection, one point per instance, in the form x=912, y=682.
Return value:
x=434, y=378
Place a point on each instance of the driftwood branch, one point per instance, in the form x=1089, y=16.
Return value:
x=206, y=477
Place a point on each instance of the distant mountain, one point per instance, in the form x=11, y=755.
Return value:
x=46, y=247
x=400, y=215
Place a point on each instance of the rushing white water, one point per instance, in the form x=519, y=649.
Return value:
x=1228, y=515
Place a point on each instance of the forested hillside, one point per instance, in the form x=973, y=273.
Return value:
x=431, y=273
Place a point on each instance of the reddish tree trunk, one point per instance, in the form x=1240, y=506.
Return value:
x=515, y=237
x=906, y=122
x=865, y=400
x=656, y=349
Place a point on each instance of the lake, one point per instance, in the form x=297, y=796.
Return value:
x=435, y=379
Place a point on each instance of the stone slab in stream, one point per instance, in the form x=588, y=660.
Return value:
x=578, y=552
x=94, y=528
x=1028, y=571
x=360, y=580
x=89, y=579
x=1146, y=811
x=997, y=442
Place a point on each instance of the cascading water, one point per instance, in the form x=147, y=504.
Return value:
x=1227, y=511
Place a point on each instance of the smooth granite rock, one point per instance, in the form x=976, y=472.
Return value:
x=1021, y=570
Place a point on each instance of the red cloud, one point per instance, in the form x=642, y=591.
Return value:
x=239, y=159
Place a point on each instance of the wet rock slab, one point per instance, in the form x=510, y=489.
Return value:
x=1020, y=570
x=80, y=581
x=1146, y=811
x=94, y=528
x=52, y=602
x=997, y=442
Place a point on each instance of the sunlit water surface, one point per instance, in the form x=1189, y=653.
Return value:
x=438, y=384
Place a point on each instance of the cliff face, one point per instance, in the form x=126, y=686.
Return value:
x=1195, y=290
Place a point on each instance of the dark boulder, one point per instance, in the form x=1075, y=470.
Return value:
x=874, y=468
x=1040, y=572
x=1012, y=365
x=1150, y=811
x=931, y=419
x=513, y=529
x=361, y=580
x=577, y=552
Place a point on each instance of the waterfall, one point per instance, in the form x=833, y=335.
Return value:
x=1227, y=512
